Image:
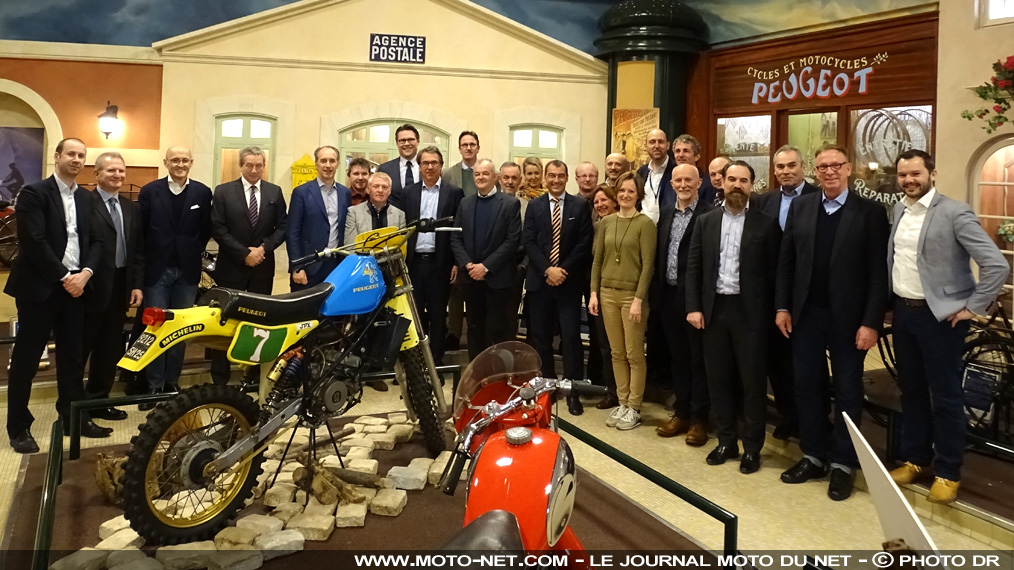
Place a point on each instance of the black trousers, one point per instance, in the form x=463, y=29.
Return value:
x=546, y=309
x=63, y=316
x=813, y=337
x=515, y=294
x=489, y=314
x=689, y=378
x=103, y=339
x=781, y=377
x=431, y=289
x=730, y=345
x=221, y=370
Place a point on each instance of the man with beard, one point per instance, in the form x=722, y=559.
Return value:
x=316, y=220
x=357, y=176
x=657, y=175
x=616, y=164
x=936, y=296
x=730, y=288
x=831, y=298
x=587, y=175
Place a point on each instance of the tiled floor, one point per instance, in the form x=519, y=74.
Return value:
x=772, y=515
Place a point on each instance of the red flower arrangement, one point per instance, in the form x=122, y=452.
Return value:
x=999, y=91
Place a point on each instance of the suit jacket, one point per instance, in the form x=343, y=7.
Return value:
x=230, y=226
x=360, y=220
x=163, y=235
x=101, y=284
x=42, y=234
x=666, y=194
x=393, y=169
x=453, y=174
x=857, y=274
x=950, y=236
x=757, y=261
x=575, y=243
x=503, y=234
x=665, y=219
x=770, y=202
x=447, y=205
x=707, y=192
x=307, y=229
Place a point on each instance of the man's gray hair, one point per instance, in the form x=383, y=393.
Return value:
x=251, y=151
x=108, y=155
x=789, y=148
x=380, y=175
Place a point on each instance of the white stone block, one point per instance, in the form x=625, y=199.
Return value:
x=248, y=558
x=408, y=478
x=423, y=463
x=389, y=502
x=370, y=421
x=300, y=497
x=280, y=543
x=386, y=483
x=314, y=507
x=279, y=494
x=113, y=526
x=270, y=466
x=84, y=559
x=364, y=466
x=367, y=492
x=359, y=453
x=122, y=557
x=436, y=470
x=261, y=524
x=313, y=527
x=290, y=466
x=125, y=538
x=397, y=418
x=190, y=556
x=286, y=511
x=348, y=444
x=142, y=563
x=351, y=515
x=401, y=432
x=374, y=429
x=230, y=536
x=383, y=441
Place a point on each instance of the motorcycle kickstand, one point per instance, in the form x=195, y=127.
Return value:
x=284, y=454
x=335, y=445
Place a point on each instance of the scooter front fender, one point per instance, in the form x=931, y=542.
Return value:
x=186, y=324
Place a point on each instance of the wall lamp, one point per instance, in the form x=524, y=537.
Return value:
x=108, y=123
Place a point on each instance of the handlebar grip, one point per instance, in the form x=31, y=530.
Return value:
x=452, y=473
x=583, y=388
x=304, y=261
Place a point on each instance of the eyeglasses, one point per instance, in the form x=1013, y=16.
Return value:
x=586, y=177
x=429, y=163
x=179, y=161
x=407, y=141
x=469, y=145
x=835, y=166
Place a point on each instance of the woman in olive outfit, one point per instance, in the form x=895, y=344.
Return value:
x=621, y=273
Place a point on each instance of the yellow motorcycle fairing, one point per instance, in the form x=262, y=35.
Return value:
x=400, y=305
x=377, y=240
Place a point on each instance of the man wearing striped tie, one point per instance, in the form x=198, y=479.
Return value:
x=557, y=237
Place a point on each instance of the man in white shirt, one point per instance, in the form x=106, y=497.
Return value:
x=404, y=170
x=657, y=175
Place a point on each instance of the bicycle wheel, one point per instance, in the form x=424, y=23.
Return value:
x=9, y=245
x=986, y=384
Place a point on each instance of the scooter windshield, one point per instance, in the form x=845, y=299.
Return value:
x=508, y=362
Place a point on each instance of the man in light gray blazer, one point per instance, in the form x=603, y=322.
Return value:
x=932, y=241
x=374, y=213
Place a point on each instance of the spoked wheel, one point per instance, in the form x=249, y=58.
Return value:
x=988, y=366
x=168, y=496
x=422, y=399
x=9, y=244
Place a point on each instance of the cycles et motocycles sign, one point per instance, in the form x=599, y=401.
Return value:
x=815, y=76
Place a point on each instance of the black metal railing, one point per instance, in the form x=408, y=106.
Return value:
x=47, y=508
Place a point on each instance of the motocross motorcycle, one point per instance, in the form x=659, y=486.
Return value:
x=197, y=457
x=504, y=418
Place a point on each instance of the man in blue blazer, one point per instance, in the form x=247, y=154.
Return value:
x=176, y=217
x=316, y=220
x=404, y=170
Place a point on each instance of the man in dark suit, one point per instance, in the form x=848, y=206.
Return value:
x=485, y=252
x=686, y=149
x=557, y=269
x=831, y=298
x=657, y=175
x=248, y=222
x=430, y=259
x=730, y=293
x=117, y=283
x=58, y=257
x=462, y=175
x=176, y=218
x=316, y=220
x=689, y=379
x=788, y=164
x=404, y=170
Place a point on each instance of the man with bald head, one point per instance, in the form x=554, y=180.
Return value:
x=657, y=175
x=176, y=217
x=675, y=226
x=715, y=168
x=616, y=164
x=686, y=149
x=587, y=175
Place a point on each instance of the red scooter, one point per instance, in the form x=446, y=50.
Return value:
x=522, y=479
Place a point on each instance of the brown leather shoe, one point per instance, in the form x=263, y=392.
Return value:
x=943, y=491
x=378, y=385
x=608, y=403
x=673, y=427
x=908, y=473
x=697, y=435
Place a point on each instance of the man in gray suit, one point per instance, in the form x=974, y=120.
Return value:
x=936, y=295
x=376, y=212
x=461, y=174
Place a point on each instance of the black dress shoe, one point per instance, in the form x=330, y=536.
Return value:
x=840, y=487
x=90, y=429
x=721, y=453
x=171, y=389
x=150, y=405
x=608, y=403
x=574, y=405
x=785, y=431
x=110, y=413
x=803, y=471
x=24, y=442
x=750, y=463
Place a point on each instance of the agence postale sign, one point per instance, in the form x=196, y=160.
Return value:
x=813, y=77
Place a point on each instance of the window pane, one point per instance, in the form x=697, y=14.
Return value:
x=880, y=135
x=229, y=160
x=523, y=138
x=548, y=139
x=378, y=158
x=356, y=135
x=260, y=129
x=232, y=128
x=428, y=137
x=809, y=132
x=748, y=139
x=1001, y=9
x=380, y=134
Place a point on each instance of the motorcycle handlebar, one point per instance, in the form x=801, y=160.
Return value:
x=452, y=473
x=585, y=388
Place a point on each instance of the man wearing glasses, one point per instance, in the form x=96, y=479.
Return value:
x=587, y=175
x=831, y=295
x=461, y=173
x=404, y=170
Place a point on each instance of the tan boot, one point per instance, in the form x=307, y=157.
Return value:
x=908, y=473
x=943, y=491
x=673, y=427
x=698, y=434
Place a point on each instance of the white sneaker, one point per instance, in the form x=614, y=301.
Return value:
x=615, y=416
x=630, y=420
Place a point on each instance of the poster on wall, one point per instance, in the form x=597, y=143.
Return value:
x=630, y=129
x=21, y=150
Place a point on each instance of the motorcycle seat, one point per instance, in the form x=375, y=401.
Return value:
x=491, y=531
x=268, y=310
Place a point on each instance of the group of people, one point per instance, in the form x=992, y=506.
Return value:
x=738, y=288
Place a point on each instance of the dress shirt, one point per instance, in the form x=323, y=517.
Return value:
x=728, y=260
x=488, y=195
x=176, y=188
x=552, y=206
x=415, y=169
x=330, y=195
x=246, y=193
x=72, y=254
x=905, y=273
x=680, y=222
x=788, y=195
x=121, y=245
x=831, y=205
x=652, y=188
x=429, y=201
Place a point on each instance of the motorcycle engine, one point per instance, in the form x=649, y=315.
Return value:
x=336, y=385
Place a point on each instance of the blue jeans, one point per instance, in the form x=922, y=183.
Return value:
x=169, y=292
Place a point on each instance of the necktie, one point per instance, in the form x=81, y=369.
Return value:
x=554, y=254
x=121, y=244
x=254, y=212
x=409, y=177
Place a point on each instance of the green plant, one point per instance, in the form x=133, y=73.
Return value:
x=999, y=91
x=1006, y=231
